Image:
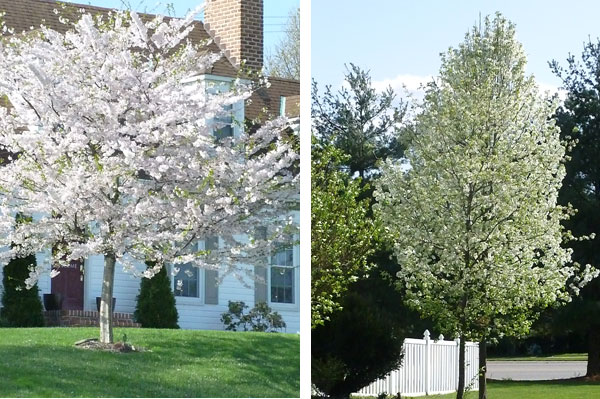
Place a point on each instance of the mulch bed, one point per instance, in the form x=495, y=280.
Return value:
x=95, y=344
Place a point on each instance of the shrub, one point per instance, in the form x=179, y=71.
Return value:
x=155, y=307
x=360, y=343
x=21, y=307
x=260, y=318
x=363, y=341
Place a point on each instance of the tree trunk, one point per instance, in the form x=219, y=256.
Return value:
x=106, y=311
x=593, y=364
x=460, y=392
x=482, y=369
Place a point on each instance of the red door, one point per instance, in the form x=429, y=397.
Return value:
x=69, y=283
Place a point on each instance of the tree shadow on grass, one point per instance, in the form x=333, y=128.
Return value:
x=180, y=364
x=563, y=389
x=577, y=381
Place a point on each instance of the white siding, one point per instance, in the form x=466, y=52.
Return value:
x=292, y=320
x=289, y=311
x=193, y=313
x=43, y=258
x=1, y=287
x=92, y=282
x=125, y=289
x=44, y=281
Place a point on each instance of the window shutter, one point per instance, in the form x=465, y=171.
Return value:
x=260, y=273
x=211, y=288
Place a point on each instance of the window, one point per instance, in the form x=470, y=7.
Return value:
x=225, y=121
x=282, y=275
x=186, y=281
x=191, y=282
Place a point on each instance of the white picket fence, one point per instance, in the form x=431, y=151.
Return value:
x=429, y=367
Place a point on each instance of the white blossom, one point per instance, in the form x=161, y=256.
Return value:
x=117, y=155
x=475, y=218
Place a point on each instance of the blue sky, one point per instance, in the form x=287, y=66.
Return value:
x=400, y=40
x=275, y=12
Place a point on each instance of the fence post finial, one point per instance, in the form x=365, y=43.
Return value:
x=441, y=337
x=426, y=334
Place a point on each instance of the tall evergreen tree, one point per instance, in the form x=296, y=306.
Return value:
x=579, y=120
x=347, y=242
x=361, y=122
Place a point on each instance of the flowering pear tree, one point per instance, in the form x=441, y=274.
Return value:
x=113, y=147
x=474, y=212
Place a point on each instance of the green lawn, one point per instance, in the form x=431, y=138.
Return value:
x=561, y=357
x=42, y=362
x=558, y=389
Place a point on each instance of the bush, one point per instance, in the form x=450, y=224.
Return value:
x=155, y=307
x=359, y=344
x=260, y=318
x=4, y=322
x=21, y=307
x=363, y=341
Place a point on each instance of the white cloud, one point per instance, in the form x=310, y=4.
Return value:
x=405, y=85
x=400, y=84
x=412, y=83
x=551, y=89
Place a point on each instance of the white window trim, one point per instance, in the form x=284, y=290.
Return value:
x=208, y=76
x=296, y=267
x=190, y=300
x=206, y=80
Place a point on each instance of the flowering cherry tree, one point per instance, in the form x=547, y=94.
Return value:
x=113, y=149
x=474, y=213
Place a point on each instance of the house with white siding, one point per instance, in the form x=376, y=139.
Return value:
x=236, y=30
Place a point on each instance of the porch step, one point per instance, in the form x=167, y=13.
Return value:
x=81, y=318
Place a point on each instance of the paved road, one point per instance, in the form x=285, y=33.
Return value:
x=530, y=370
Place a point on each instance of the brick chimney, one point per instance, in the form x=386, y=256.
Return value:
x=237, y=27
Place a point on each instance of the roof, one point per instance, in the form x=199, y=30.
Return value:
x=292, y=106
x=24, y=14
x=269, y=99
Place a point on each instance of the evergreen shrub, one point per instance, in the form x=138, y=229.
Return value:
x=21, y=307
x=155, y=307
